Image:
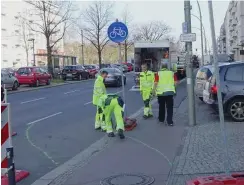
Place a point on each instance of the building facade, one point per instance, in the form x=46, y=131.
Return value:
x=17, y=37
x=231, y=38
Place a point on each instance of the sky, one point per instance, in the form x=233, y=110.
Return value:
x=171, y=13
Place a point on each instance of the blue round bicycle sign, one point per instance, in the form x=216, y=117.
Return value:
x=117, y=32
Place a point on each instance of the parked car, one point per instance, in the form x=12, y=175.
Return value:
x=91, y=70
x=118, y=67
x=231, y=88
x=9, y=80
x=33, y=76
x=106, y=66
x=203, y=75
x=129, y=66
x=114, y=77
x=10, y=70
x=75, y=72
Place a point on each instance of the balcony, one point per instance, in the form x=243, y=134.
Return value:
x=234, y=35
x=234, y=22
x=231, y=29
x=230, y=19
x=233, y=11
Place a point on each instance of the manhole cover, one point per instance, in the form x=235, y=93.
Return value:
x=128, y=179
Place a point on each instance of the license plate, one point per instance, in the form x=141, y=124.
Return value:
x=69, y=75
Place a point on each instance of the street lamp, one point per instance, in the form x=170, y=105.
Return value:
x=33, y=45
x=205, y=38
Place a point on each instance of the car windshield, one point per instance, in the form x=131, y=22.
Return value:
x=109, y=70
x=70, y=67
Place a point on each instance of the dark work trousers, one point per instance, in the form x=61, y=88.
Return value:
x=166, y=102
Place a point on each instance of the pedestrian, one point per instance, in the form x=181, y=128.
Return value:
x=99, y=90
x=113, y=103
x=165, y=91
x=146, y=87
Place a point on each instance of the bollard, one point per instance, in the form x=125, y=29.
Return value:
x=11, y=167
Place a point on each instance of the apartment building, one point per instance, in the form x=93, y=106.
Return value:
x=231, y=39
x=16, y=39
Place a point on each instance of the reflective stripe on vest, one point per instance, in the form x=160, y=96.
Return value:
x=166, y=82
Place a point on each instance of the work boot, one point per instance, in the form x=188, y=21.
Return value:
x=171, y=124
x=111, y=134
x=121, y=134
x=103, y=130
x=98, y=128
x=150, y=116
x=145, y=116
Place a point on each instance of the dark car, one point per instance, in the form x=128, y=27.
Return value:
x=114, y=77
x=75, y=72
x=106, y=66
x=232, y=90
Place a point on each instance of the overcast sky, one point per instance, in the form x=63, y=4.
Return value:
x=172, y=13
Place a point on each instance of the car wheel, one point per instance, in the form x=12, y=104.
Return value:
x=80, y=77
x=236, y=109
x=48, y=82
x=201, y=98
x=64, y=79
x=37, y=83
x=15, y=86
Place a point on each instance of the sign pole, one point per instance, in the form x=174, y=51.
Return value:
x=189, y=69
x=220, y=103
x=122, y=75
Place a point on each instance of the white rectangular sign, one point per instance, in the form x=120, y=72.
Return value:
x=189, y=37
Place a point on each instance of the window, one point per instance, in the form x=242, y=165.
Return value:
x=234, y=74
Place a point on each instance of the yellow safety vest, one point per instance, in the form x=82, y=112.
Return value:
x=99, y=90
x=146, y=80
x=166, y=82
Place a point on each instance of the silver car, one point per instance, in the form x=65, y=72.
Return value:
x=9, y=80
x=203, y=75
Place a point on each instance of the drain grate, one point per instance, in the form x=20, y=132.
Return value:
x=127, y=179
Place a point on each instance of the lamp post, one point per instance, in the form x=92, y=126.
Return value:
x=205, y=38
x=82, y=47
x=33, y=46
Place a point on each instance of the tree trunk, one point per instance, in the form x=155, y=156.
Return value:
x=49, y=58
x=27, y=57
x=125, y=51
x=99, y=57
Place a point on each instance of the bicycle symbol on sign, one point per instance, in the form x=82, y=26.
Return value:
x=117, y=31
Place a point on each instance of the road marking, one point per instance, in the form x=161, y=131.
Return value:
x=44, y=118
x=32, y=100
x=71, y=91
x=111, y=93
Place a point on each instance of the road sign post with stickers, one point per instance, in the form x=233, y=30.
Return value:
x=118, y=33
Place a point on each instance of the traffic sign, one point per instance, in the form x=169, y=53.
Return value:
x=117, y=32
x=184, y=27
x=189, y=37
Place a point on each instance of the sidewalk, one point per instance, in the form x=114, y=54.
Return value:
x=167, y=155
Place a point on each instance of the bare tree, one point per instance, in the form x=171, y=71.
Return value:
x=152, y=31
x=53, y=19
x=127, y=18
x=25, y=36
x=96, y=17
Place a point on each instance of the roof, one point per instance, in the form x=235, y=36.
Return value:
x=152, y=44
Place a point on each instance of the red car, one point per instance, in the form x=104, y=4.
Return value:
x=92, y=70
x=129, y=65
x=33, y=76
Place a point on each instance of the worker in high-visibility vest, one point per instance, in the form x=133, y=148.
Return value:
x=146, y=87
x=98, y=91
x=165, y=91
x=113, y=103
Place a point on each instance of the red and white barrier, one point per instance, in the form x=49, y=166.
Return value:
x=6, y=142
x=6, y=139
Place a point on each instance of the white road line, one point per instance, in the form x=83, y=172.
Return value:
x=111, y=93
x=71, y=91
x=32, y=100
x=44, y=118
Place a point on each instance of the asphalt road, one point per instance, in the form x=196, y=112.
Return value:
x=54, y=124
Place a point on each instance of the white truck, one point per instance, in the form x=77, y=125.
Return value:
x=153, y=54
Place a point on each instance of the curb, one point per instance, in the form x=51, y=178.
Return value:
x=46, y=87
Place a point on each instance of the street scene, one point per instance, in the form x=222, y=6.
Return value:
x=96, y=92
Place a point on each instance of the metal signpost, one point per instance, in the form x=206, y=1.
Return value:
x=188, y=38
x=118, y=32
x=220, y=103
